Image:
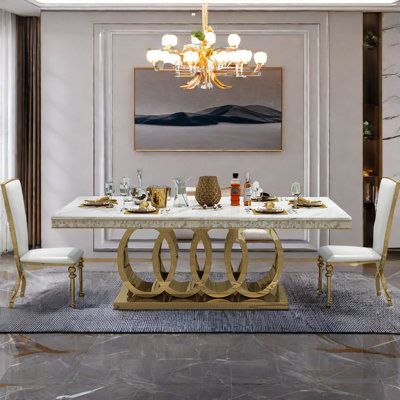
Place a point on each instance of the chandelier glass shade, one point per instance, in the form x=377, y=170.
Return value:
x=201, y=63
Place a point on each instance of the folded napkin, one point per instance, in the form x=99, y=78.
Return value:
x=303, y=200
x=101, y=200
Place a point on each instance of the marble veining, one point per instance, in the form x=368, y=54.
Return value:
x=331, y=217
x=391, y=106
x=258, y=366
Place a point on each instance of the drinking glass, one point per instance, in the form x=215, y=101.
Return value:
x=296, y=191
x=124, y=186
x=109, y=189
x=124, y=191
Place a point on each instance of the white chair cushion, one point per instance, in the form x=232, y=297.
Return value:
x=348, y=254
x=57, y=255
x=256, y=235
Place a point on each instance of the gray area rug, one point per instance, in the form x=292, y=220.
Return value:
x=356, y=309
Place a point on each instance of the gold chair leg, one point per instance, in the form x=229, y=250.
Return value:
x=320, y=270
x=328, y=274
x=386, y=289
x=378, y=283
x=23, y=285
x=14, y=291
x=80, y=268
x=72, y=277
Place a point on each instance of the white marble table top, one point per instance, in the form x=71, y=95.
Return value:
x=332, y=217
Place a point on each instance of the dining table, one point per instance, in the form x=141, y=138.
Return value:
x=200, y=287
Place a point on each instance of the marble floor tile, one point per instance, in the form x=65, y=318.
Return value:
x=199, y=366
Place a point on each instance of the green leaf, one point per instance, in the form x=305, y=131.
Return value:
x=198, y=34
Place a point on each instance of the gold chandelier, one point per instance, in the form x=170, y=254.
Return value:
x=201, y=63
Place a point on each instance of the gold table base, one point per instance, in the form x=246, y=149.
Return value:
x=200, y=292
x=198, y=302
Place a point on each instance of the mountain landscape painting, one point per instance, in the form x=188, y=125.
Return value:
x=247, y=117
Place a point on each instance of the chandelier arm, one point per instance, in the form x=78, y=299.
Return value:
x=192, y=83
x=218, y=83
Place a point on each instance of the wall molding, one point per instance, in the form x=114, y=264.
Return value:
x=316, y=131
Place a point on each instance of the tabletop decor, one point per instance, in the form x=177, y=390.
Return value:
x=264, y=197
x=208, y=191
x=180, y=198
x=303, y=202
x=158, y=195
x=137, y=192
x=263, y=210
x=166, y=289
x=138, y=210
x=169, y=119
x=201, y=63
x=269, y=208
x=145, y=207
x=104, y=201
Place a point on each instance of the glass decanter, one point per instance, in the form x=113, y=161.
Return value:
x=138, y=193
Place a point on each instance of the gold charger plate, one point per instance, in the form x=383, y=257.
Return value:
x=100, y=202
x=98, y=205
x=320, y=204
x=138, y=211
x=270, y=211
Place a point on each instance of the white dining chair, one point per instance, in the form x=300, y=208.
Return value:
x=69, y=257
x=330, y=256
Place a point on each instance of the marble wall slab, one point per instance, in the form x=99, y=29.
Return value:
x=391, y=106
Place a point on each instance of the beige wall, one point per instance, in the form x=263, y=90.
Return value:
x=86, y=52
x=345, y=144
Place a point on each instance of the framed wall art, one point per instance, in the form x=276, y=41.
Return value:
x=246, y=117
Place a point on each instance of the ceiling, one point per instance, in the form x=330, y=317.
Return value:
x=33, y=7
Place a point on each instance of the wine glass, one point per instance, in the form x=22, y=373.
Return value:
x=296, y=192
x=109, y=188
x=296, y=189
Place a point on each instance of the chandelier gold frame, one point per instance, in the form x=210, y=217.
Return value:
x=203, y=65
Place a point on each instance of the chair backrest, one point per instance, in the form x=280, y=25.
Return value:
x=15, y=209
x=387, y=198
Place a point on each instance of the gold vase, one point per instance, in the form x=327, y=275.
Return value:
x=208, y=191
